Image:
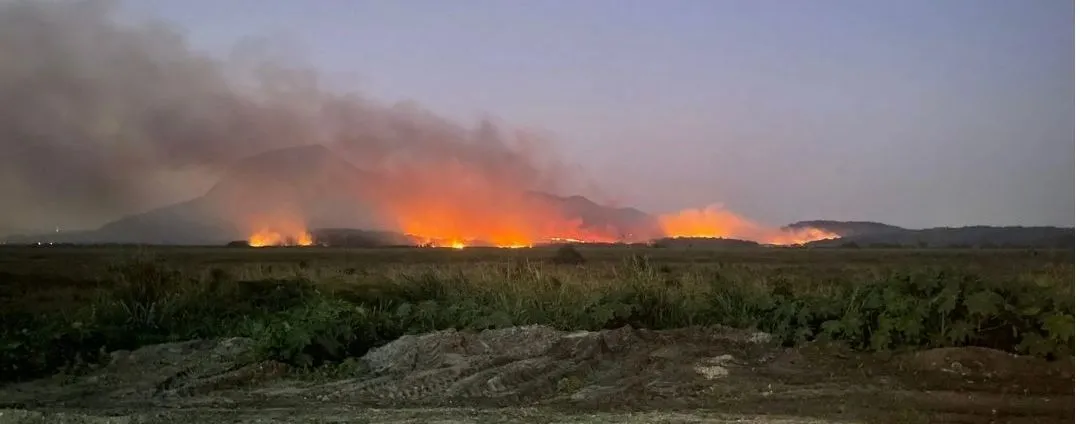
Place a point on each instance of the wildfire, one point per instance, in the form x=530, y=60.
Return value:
x=266, y=237
x=278, y=230
x=711, y=221
x=451, y=202
x=801, y=236
x=461, y=244
x=448, y=204
x=716, y=222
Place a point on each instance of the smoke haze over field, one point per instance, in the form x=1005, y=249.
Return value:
x=101, y=119
x=915, y=113
x=96, y=116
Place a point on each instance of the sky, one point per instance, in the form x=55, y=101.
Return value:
x=917, y=113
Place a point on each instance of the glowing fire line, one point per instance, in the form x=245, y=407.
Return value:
x=445, y=231
x=266, y=238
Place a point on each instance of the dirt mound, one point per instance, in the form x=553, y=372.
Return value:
x=533, y=373
x=537, y=363
x=149, y=374
x=493, y=367
x=982, y=362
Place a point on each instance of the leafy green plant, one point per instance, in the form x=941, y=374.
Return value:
x=934, y=309
x=315, y=332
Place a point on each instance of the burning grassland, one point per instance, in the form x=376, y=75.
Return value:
x=267, y=238
x=450, y=215
x=436, y=202
x=278, y=229
x=716, y=222
x=453, y=203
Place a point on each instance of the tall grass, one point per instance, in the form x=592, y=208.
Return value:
x=305, y=315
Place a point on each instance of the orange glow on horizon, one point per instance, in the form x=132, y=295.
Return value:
x=447, y=204
x=266, y=238
x=716, y=222
x=800, y=236
x=279, y=231
x=711, y=221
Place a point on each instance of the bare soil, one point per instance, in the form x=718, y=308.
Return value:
x=537, y=374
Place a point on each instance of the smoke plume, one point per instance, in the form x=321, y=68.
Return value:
x=101, y=118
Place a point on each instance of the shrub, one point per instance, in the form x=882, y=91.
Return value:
x=147, y=301
x=319, y=331
x=568, y=255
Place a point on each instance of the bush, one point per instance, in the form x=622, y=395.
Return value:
x=935, y=309
x=568, y=255
x=317, y=332
x=147, y=302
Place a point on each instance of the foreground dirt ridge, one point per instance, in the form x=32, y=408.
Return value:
x=538, y=374
x=394, y=416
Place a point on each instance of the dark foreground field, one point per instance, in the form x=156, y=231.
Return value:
x=535, y=335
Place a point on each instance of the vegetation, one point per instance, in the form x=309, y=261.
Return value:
x=875, y=234
x=65, y=308
x=568, y=255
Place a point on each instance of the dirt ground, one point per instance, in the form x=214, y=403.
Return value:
x=540, y=375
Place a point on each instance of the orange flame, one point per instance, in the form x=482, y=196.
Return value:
x=711, y=221
x=266, y=237
x=279, y=231
x=448, y=204
x=716, y=222
x=801, y=236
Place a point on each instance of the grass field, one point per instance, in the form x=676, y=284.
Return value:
x=66, y=306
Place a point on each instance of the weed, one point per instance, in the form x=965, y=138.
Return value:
x=568, y=255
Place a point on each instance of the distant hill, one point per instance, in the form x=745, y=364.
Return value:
x=847, y=228
x=631, y=223
x=702, y=242
x=974, y=236
x=308, y=183
x=349, y=237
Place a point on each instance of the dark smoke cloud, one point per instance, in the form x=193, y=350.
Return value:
x=101, y=118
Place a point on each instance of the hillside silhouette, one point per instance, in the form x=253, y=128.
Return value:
x=978, y=236
x=315, y=188
x=313, y=185
x=846, y=228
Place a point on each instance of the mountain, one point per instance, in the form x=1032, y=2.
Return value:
x=310, y=186
x=309, y=183
x=876, y=234
x=630, y=223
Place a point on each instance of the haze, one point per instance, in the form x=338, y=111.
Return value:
x=914, y=113
x=917, y=113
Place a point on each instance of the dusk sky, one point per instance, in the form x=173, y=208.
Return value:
x=916, y=113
